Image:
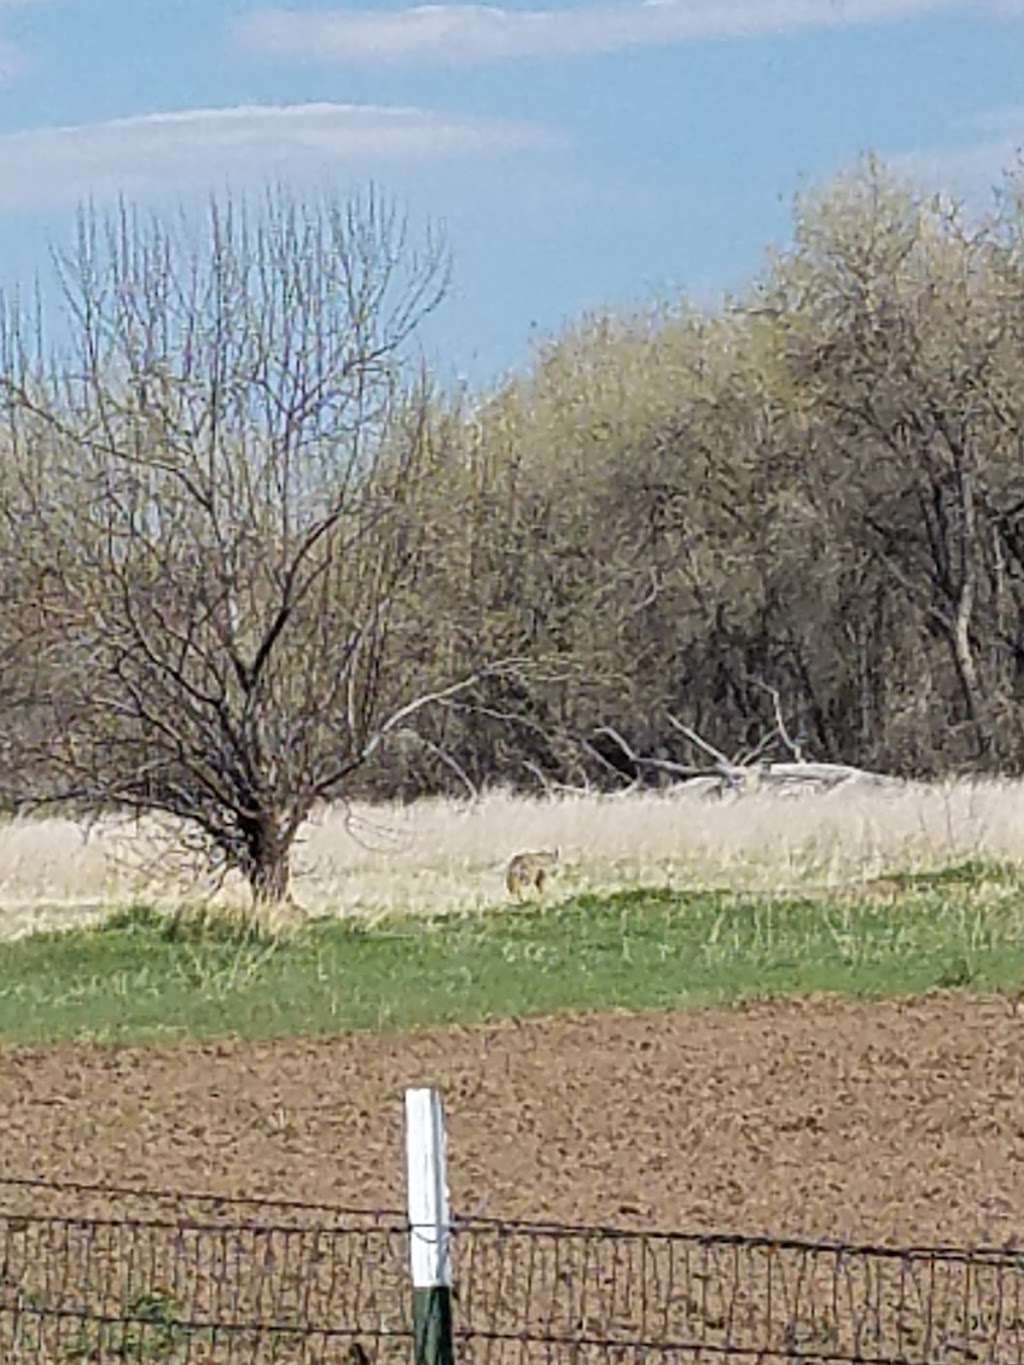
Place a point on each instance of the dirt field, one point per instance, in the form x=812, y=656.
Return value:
x=893, y=1123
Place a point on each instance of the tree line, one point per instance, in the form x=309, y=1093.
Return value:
x=253, y=558
x=816, y=490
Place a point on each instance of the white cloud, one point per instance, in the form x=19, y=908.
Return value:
x=973, y=169
x=155, y=152
x=480, y=33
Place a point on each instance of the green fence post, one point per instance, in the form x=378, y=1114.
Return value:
x=429, y=1227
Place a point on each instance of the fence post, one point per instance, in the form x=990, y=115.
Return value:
x=429, y=1249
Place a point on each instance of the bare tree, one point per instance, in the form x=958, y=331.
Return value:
x=901, y=337
x=215, y=482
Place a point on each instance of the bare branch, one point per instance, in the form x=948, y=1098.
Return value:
x=780, y=725
x=444, y=757
x=600, y=759
x=393, y=722
x=662, y=764
x=724, y=764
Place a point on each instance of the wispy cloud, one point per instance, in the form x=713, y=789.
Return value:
x=155, y=152
x=481, y=33
x=12, y=62
x=1009, y=119
x=974, y=168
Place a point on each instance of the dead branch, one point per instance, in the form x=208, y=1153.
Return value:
x=639, y=761
x=443, y=756
x=794, y=747
x=600, y=759
x=549, y=785
x=784, y=779
x=692, y=735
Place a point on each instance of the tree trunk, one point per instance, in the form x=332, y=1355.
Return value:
x=963, y=654
x=268, y=864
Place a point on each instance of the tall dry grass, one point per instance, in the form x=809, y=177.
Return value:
x=441, y=855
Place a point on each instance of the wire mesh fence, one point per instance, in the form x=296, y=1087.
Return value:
x=588, y=1294
x=89, y=1274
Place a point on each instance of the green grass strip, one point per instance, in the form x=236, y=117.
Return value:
x=148, y=977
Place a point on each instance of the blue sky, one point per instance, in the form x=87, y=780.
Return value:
x=581, y=154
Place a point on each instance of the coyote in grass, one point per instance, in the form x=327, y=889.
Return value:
x=528, y=870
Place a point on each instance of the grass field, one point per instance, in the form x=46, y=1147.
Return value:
x=149, y=976
x=435, y=857
x=662, y=900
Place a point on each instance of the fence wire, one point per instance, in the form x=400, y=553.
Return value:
x=90, y=1274
x=537, y=1293
x=99, y=1274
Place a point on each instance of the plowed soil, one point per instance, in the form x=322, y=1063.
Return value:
x=895, y=1123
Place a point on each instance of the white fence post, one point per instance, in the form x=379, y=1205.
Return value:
x=429, y=1237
